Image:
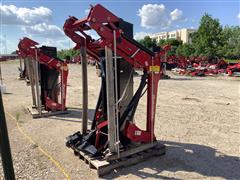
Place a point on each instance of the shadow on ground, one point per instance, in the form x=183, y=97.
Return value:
x=185, y=79
x=184, y=157
x=73, y=115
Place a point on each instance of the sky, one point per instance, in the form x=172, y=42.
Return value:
x=42, y=20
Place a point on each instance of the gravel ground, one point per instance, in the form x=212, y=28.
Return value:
x=197, y=118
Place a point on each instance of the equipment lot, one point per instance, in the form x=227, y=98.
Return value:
x=196, y=117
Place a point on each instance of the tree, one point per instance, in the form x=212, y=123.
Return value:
x=231, y=43
x=174, y=43
x=148, y=42
x=186, y=50
x=67, y=53
x=207, y=39
x=162, y=42
x=210, y=40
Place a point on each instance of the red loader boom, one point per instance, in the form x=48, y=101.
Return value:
x=27, y=48
x=107, y=26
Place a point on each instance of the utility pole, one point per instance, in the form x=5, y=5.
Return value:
x=5, y=146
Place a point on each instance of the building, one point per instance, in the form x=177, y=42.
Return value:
x=179, y=34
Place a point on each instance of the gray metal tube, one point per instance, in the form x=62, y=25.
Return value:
x=36, y=74
x=5, y=146
x=83, y=54
x=111, y=114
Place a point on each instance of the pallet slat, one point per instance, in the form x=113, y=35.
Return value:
x=131, y=151
x=35, y=113
x=134, y=156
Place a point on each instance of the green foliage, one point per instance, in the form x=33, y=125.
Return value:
x=173, y=42
x=17, y=116
x=151, y=43
x=211, y=40
x=207, y=40
x=148, y=42
x=174, y=45
x=67, y=53
x=185, y=50
x=231, y=43
x=233, y=61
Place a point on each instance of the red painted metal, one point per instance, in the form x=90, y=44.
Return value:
x=104, y=23
x=233, y=68
x=199, y=66
x=28, y=48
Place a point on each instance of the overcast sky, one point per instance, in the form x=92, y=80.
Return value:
x=43, y=20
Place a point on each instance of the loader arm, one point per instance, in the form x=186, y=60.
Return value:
x=106, y=25
x=28, y=49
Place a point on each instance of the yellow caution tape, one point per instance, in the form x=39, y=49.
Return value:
x=39, y=147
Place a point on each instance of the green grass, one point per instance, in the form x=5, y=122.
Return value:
x=232, y=60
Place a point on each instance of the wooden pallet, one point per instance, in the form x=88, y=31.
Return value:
x=135, y=156
x=35, y=114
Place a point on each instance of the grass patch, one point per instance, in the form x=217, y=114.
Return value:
x=232, y=60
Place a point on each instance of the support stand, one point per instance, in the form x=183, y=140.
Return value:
x=35, y=114
x=127, y=157
x=110, y=100
x=21, y=69
x=114, y=140
x=36, y=77
x=47, y=75
x=29, y=66
x=84, y=90
x=164, y=66
x=36, y=110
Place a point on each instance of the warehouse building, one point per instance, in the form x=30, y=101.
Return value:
x=179, y=34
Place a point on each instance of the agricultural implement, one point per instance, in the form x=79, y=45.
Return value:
x=196, y=66
x=47, y=76
x=233, y=70
x=114, y=139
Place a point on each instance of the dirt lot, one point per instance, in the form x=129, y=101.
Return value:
x=197, y=118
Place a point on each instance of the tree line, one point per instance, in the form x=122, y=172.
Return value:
x=211, y=40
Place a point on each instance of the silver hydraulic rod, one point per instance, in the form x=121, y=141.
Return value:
x=36, y=67
x=116, y=92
